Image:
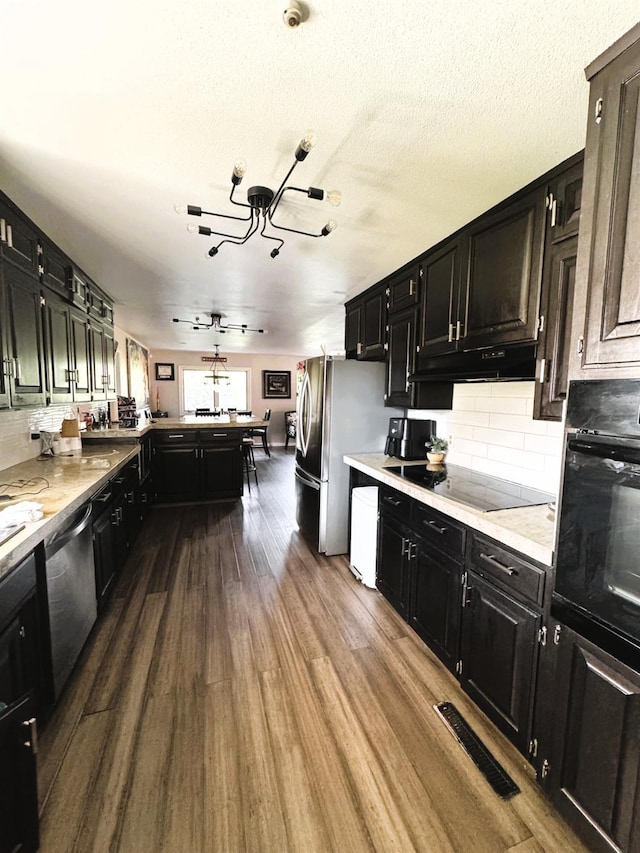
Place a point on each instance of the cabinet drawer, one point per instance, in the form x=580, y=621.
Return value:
x=432, y=525
x=506, y=569
x=395, y=504
x=177, y=436
x=220, y=436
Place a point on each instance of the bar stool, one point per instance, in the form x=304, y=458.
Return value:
x=249, y=460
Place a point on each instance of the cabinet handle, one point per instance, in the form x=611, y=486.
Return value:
x=412, y=287
x=392, y=501
x=9, y=236
x=554, y=212
x=3, y=230
x=32, y=727
x=598, y=110
x=543, y=371
x=450, y=333
x=508, y=570
x=359, y=348
x=8, y=367
x=434, y=526
x=176, y=435
x=458, y=330
x=16, y=362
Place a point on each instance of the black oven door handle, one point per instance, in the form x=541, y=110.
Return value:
x=605, y=451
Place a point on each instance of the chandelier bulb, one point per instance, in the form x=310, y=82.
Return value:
x=308, y=141
x=334, y=197
x=329, y=227
x=193, y=229
x=180, y=208
x=239, y=169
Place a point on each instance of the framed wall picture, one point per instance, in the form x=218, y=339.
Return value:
x=138, y=372
x=164, y=371
x=276, y=383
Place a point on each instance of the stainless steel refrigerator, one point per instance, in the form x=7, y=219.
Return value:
x=340, y=410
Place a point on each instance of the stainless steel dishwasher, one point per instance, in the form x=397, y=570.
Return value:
x=71, y=593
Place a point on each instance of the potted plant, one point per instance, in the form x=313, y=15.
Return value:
x=436, y=449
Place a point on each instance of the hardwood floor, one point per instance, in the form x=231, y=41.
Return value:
x=244, y=693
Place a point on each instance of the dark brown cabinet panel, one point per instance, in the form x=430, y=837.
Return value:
x=19, y=802
x=365, y=329
x=23, y=327
x=57, y=335
x=593, y=774
x=54, y=268
x=102, y=360
x=195, y=465
x=441, y=323
x=104, y=553
x=18, y=240
x=401, y=355
x=176, y=473
x=434, y=611
x=403, y=290
x=394, y=555
x=502, y=286
x=221, y=472
x=608, y=263
x=80, y=359
x=499, y=656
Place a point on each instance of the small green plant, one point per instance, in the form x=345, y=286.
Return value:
x=437, y=445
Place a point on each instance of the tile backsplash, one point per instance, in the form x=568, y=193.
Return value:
x=492, y=430
x=16, y=426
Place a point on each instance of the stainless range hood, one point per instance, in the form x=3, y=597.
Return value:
x=511, y=362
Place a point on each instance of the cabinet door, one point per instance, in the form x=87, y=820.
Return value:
x=27, y=382
x=401, y=352
x=54, y=268
x=175, y=473
x=18, y=240
x=403, y=291
x=373, y=326
x=352, y=330
x=504, y=265
x=609, y=259
x=221, y=470
x=593, y=774
x=109, y=362
x=558, y=287
x=57, y=335
x=18, y=782
x=434, y=610
x=440, y=324
x=392, y=571
x=5, y=364
x=97, y=362
x=80, y=357
x=499, y=657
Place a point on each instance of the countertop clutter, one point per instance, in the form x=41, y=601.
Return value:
x=63, y=484
x=529, y=530
x=185, y=422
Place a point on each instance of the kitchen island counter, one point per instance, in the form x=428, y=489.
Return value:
x=529, y=530
x=190, y=422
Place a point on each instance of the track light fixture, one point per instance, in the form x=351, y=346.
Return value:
x=263, y=202
x=214, y=323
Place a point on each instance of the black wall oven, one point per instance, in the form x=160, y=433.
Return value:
x=597, y=590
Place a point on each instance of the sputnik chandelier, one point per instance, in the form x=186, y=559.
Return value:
x=262, y=202
x=215, y=324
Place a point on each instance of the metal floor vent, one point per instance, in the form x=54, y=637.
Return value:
x=496, y=776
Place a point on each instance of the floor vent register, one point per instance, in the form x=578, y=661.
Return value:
x=493, y=772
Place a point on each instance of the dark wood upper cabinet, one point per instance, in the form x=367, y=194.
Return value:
x=18, y=239
x=440, y=302
x=365, y=326
x=401, y=342
x=403, y=290
x=558, y=289
x=501, y=290
x=608, y=270
x=54, y=267
x=24, y=365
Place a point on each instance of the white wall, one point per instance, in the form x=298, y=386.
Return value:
x=493, y=431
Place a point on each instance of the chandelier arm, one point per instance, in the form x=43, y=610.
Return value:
x=276, y=199
x=238, y=241
x=269, y=237
x=239, y=203
x=293, y=230
x=240, y=238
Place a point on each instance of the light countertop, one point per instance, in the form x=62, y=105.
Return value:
x=69, y=481
x=185, y=422
x=529, y=530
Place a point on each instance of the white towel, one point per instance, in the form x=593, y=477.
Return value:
x=21, y=512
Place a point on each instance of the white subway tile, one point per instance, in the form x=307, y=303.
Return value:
x=499, y=437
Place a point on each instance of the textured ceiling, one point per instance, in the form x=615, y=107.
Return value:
x=112, y=113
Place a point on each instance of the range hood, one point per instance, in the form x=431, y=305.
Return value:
x=513, y=362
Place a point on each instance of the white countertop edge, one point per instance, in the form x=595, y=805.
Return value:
x=504, y=525
x=23, y=543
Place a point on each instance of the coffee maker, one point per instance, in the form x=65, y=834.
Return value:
x=406, y=438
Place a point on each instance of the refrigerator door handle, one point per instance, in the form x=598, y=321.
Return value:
x=307, y=481
x=305, y=414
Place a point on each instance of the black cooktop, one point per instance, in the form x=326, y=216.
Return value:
x=472, y=488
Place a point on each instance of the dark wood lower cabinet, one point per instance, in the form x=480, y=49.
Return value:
x=592, y=772
x=434, y=611
x=175, y=473
x=203, y=465
x=499, y=656
x=18, y=780
x=221, y=472
x=392, y=575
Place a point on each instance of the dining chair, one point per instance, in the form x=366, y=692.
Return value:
x=290, y=427
x=261, y=432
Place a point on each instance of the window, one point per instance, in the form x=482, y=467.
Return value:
x=198, y=392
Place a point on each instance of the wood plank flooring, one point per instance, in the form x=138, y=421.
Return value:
x=243, y=693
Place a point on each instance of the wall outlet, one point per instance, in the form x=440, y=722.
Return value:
x=450, y=440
